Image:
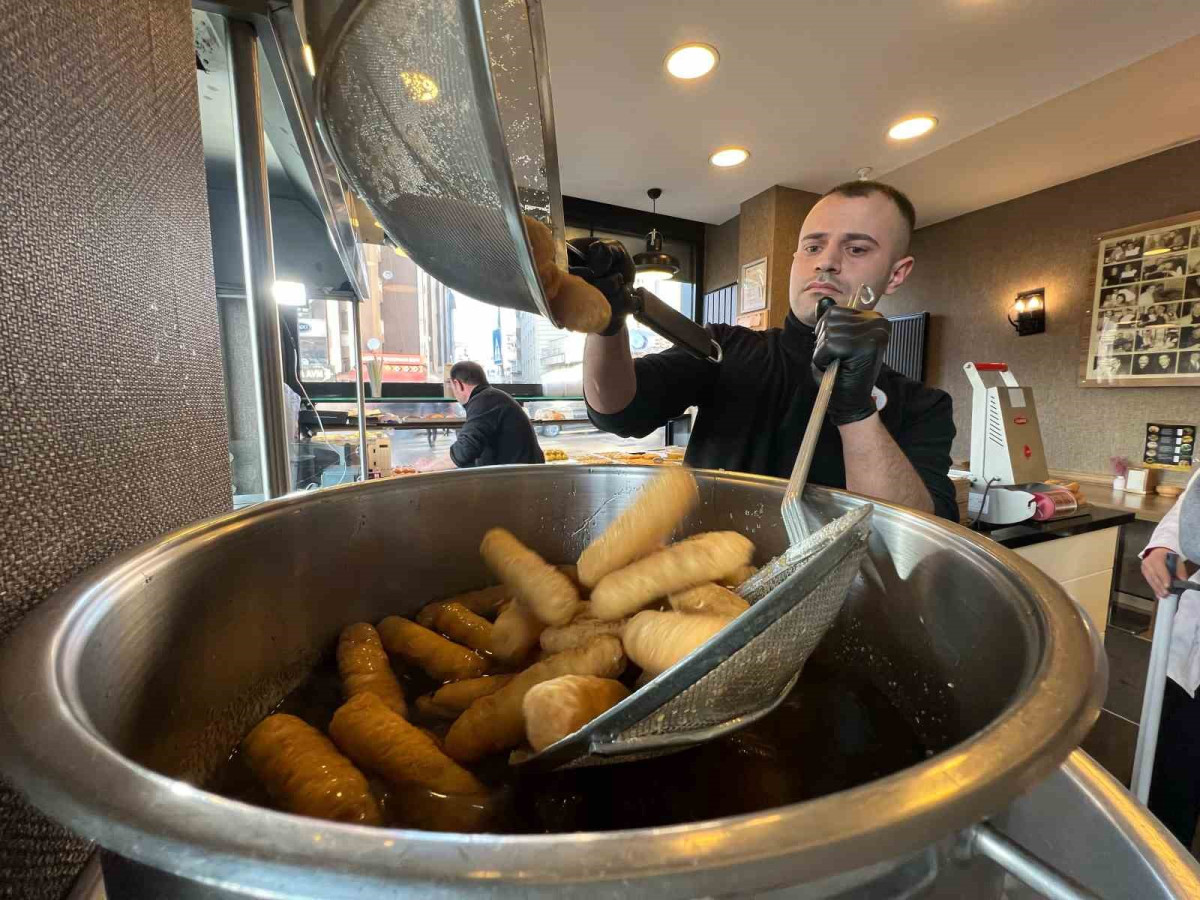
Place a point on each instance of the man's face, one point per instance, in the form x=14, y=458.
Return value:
x=1163, y=361
x=1143, y=361
x=845, y=242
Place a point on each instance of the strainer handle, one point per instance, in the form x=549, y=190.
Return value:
x=667, y=322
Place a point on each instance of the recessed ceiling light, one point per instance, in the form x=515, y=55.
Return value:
x=907, y=129
x=692, y=60
x=729, y=156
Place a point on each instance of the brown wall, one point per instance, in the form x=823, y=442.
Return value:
x=721, y=254
x=767, y=225
x=112, y=411
x=970, y=269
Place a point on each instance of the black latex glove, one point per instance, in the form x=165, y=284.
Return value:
x=858, y=338
x=607, y=265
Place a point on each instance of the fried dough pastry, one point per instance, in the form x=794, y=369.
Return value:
x=578, y=631
x=737, y=576
x=365, y=667
x=305, y=774
x=563, y=705
x=701, y=558
x=441, y=659
x=382, y=742
x=515, y=633
x=546, y=592
x=458, y=623
x=484, y=602
x=643, y=527
x=657, y=640
x=709, y=598
x=577, y=305
x=496, y=722
x=448, y=701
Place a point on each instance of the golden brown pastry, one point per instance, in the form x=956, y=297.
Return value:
x=451, y=699
x=737, y=576
x=642, y=528
x=577, y=305
x=657, y=640
x=459, y=624
x=496, y=722
x=579, y=631
x=515, y=633
x=305, y=774
x=701, y=558
x=364, y=666
x=441, y=659
x=382, y=742
x=546, y=592
x=563, y=705
x=484, y=602
x=709, y=598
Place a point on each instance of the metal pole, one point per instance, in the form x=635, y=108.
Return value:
x=359, y=390
x=1156, y=684
x=1026, y=867
x=258, y=257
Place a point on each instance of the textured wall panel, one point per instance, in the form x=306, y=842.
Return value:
x=112, y=426
x=969, y=271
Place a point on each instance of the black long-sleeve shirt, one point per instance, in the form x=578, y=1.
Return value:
x=497, y=432
x=755, y=404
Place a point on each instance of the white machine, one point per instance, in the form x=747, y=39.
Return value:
x=1008, y=464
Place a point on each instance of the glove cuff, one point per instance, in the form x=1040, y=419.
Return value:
x=850, y=416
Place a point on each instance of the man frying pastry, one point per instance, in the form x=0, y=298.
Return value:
x=885, y=435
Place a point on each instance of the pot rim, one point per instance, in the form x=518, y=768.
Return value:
x=90, y=787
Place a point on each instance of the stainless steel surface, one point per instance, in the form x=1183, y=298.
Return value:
x=259, y=257
x=742, y=673
x=986, y=841
x=792, y=508
x=1098, y=834
x=450, y=154
x=151, y=667
x=360, y=388
x=1152, y=698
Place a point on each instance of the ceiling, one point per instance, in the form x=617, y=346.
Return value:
x=1029, y=93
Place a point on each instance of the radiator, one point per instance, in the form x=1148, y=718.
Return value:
x=720, y=306
x=906, y=350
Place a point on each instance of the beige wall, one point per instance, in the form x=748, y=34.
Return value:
x=969, y=270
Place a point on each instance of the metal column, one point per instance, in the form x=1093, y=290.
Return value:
x=258, y=257
x=359, y=389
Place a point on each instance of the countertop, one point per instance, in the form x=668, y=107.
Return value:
x=1095, y=518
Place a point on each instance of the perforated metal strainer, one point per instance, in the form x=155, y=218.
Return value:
x=743, y=672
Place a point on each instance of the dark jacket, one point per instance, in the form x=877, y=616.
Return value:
x=496, y=432
x=755, y=404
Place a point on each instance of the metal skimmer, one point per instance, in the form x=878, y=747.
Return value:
x=792, y=508
x=740, y=674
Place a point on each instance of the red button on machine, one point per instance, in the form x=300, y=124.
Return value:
x=1028, y=451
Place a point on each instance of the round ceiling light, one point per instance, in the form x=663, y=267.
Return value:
x=907, y=129
x=729, y=156
x=692, y=60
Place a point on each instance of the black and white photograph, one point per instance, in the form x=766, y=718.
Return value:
x=1121, y=273
x=1113, y=342
x=1111, y=319
x=1159, y=314
x=1122, y=249
x=1189, y=313
x=1164, y=267
x=1194, y=260
x=1122, y=296
x=1107, y=367
x=1167, y=241
x=1152, y=292
x=1152, y=339
x=1195, y=237
x=1155, y=364
x=1189, y=338
x=1191, y=287
x=1189, y=363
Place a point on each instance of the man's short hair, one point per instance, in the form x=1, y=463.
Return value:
x=468, y=373
x=867, y=188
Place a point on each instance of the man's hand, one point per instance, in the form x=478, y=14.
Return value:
x=858, y=338
x=1154, y=570
x=607, y=266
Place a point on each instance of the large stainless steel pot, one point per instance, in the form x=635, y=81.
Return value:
x=140, y=677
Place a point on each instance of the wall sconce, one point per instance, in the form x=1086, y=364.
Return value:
x=1030, y=309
